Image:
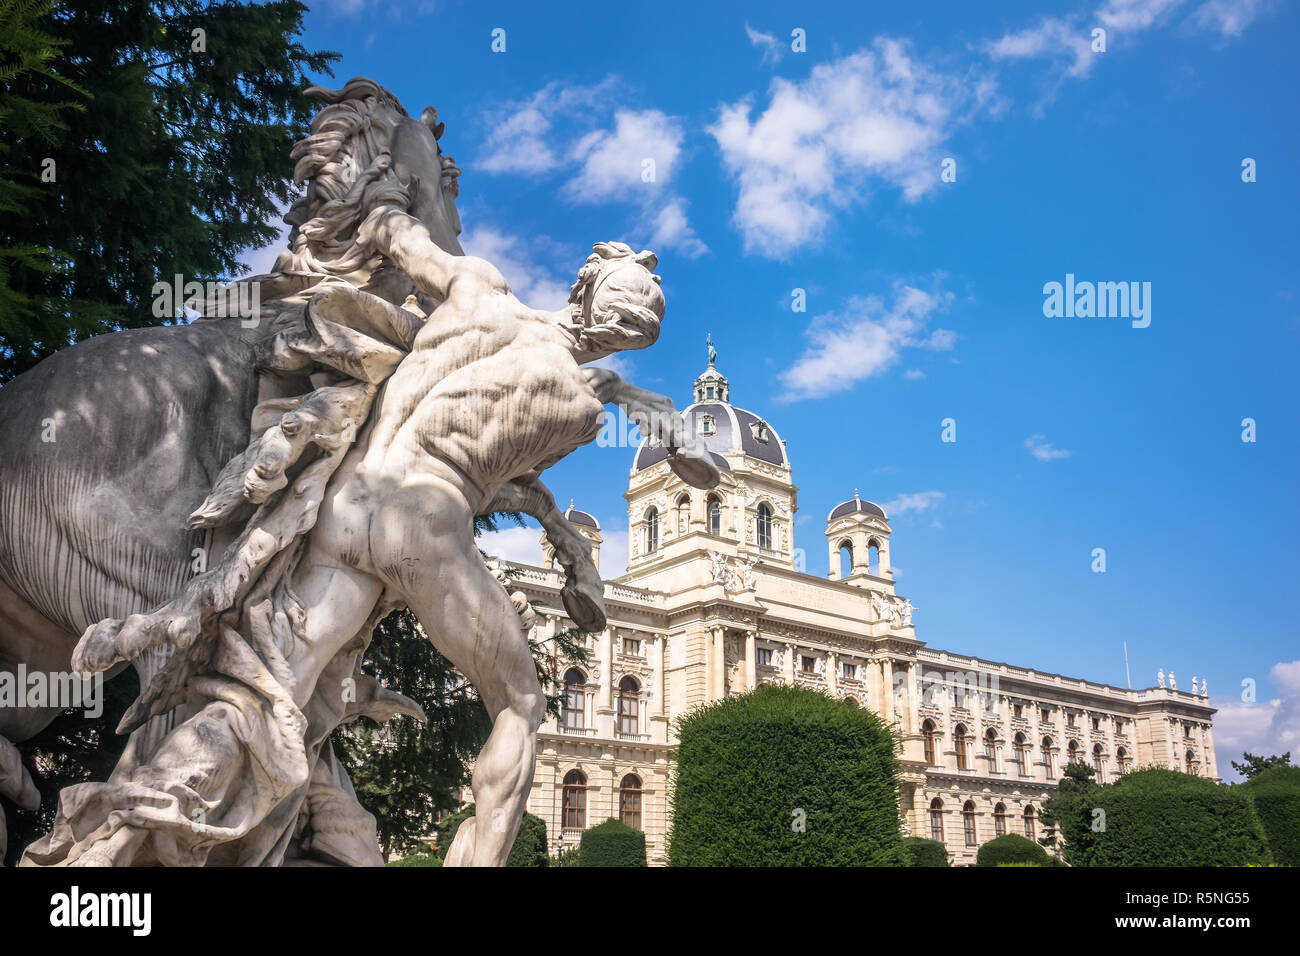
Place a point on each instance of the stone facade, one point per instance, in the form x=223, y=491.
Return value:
x=714, y=603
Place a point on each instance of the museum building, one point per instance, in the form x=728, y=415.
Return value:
x=714, y=603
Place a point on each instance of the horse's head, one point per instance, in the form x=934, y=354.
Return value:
x=364, y=152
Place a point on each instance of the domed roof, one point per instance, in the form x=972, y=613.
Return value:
x=722, y=428
x=855, y=505
x=580, y=517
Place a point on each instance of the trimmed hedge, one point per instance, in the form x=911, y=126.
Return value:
x=1160, y=817
x=1010, y=849
x=612, y=843
x=923, y=852
x=785, y=776
x=418, y=859
x=529, y=848
x=1275, y=794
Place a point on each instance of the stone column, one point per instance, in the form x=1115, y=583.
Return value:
x=788, y=663
x=875, y=686
x=887, y=678
x=661, y=674
x=832, y=672
x=751, y=660
x=718, y=664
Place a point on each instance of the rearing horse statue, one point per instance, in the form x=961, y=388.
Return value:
x=326, y=457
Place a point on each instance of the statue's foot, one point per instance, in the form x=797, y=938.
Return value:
x=104, y=644
x=461, y=851
x=583, y=595
x=696, y=469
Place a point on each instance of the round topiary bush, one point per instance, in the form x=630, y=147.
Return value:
x=612, y=843
x=923, y=852
x=1160, y=817
x=785, y=776
x=529, y=848
x=1275, y=795
x=1010, y=848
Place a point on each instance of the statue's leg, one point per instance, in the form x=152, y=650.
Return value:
x=422, y=540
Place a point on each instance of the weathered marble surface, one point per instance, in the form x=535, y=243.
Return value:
x=329, y=461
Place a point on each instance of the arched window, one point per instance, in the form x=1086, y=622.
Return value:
x=1073, y=753
x=936, y=819
x=652, y=531
x=765, y=527
x=1000, y=820
x=931, y=743
x=968, y=822
x=573, y=712
x=1030, y=816
x=1191, y=762
x=715, y=516
x=629, y=707
x=991, y=749
x=1049, y=759
x=1121, y=760
x=683, y=514
x=575, y=800
x=846, y=559
x=873, y=557
x=1022, y=754
x=1098, y=763
x=629, y=801
x=962, y=746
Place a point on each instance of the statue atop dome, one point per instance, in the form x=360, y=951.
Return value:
x=713, y=353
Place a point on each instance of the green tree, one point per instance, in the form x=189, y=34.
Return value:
x=923, y=852
x=1159, y=817
x=1010, y=848
x=1275, y=794
x=1252, y=765
x=785, y=776
x=175, y=160
x=612, y=843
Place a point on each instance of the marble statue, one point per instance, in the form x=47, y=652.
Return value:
x=1160, y=677
x=1173, y=683
x=1194, y=686
x=388, y=390
x=1205, y=688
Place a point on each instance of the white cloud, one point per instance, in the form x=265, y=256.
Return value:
x=615, y=161
x=1228, y=18
x=1043, y=450
x=530, y=282
x=672, y=230
x=862, y=341
x=1066, y=41
x=613, y=553
x=1264, y=727
x=914, y=373
x=520, y=137
x=522, y=545
x=771, y=47
x=915, y=502
x=878, y=113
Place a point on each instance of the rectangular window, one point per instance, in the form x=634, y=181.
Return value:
x=1046, y=716
x=1018, y=710
x=968, y=824
x=850, y=671
x=765, y=657
x=808, y=665
x=631, y=647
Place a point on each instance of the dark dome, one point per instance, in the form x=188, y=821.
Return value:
x=581, y=517
x=735, y=432
x=855, y=505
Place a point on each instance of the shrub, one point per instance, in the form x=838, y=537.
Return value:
x=1275, y=794
x=612, y=843
x=1160, y=817
x=785, y=776
x=418, y=859
x=1011, y=849
x=923, y=852
x=529, y=848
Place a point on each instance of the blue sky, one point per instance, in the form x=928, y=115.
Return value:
x=820, y=170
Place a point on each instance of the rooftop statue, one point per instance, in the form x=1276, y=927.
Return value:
x=328, y=457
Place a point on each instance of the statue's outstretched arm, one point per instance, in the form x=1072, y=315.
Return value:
x=658, y=419
x=408, y=243
x=583, y=592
